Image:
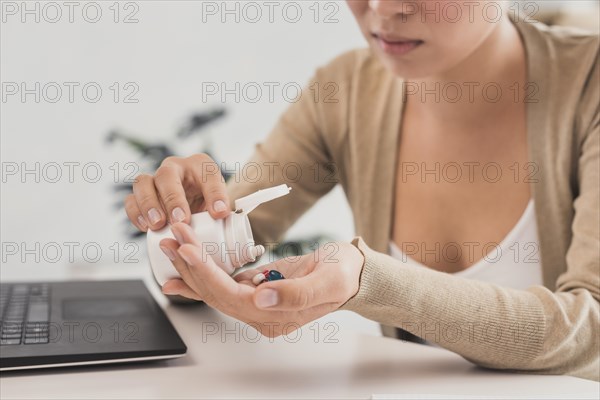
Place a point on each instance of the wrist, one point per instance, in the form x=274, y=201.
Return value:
x=354, y=264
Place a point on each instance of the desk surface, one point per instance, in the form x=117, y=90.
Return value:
x=329, y=358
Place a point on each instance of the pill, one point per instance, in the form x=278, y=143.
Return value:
x=259, y=278
x=267, y=276
x=274, y=275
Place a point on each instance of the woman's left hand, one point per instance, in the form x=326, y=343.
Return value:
x=315, y=285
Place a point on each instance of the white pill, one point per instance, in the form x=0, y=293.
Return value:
x=259, y=278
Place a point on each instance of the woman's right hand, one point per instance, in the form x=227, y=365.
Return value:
x=179, y=187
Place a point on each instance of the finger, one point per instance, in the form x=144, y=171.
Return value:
x=207, y=175
x=134, y=214
x=170, y=247
x=148, y=202
x=168, y=182
x=178, y=287
x=185, y=234
x=317, y=288
x=205, y=270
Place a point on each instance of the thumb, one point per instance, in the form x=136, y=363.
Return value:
x=298, y=294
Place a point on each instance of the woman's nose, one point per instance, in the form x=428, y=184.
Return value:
x=391, y=8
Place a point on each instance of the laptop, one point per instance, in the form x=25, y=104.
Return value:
x=57, y=324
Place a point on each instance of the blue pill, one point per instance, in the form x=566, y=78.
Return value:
x=274, y=276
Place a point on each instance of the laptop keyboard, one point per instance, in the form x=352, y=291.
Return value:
x=24, y=314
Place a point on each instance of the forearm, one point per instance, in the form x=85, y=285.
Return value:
x=489, y=325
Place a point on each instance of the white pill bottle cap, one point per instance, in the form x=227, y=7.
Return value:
x=229, y=242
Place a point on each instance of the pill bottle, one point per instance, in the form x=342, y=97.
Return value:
x=229, y=241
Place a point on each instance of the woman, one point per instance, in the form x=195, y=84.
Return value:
x=458, y=128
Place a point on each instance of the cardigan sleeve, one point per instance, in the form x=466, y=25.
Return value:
x=533, y=330
x=492, y=326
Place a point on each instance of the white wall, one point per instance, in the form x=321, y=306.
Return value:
x=168, y=53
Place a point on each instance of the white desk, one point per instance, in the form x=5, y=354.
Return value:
x=357, y=366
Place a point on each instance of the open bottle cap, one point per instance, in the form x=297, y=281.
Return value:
x=248, y=203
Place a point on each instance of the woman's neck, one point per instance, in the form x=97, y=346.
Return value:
x=499, y=63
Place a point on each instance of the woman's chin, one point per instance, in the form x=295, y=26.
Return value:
x=405, y=71
x=405, y=68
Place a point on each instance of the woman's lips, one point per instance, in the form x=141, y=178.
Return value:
x=397, y=47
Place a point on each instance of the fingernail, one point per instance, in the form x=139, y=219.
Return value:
x=185, y=257
x=220, y=206
x=142, y=222
x=168, y=252
x=178, y=215
x=153, y=216
x=178, y=236
x=169, y=292
x=266, y=298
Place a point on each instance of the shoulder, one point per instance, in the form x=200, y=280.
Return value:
x=570, y=57
x=353, y=72
x=574, y=51
x=340, y=87
x=568, y=72
x=572, y=40
x=350, y=64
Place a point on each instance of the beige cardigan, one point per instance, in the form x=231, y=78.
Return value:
x=349, y=135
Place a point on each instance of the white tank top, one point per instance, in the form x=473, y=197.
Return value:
x=514, y=263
